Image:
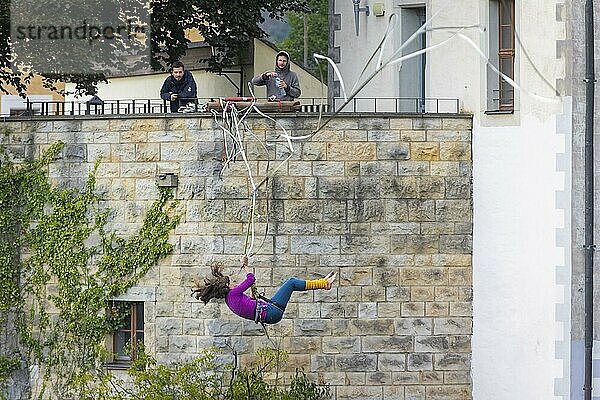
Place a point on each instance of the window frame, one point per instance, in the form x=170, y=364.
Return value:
x=133, y=330
x=506, y=53
x=500, y=95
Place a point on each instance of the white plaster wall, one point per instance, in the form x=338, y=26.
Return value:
x=356, y=50
x=516, y=218
x=514, y=259
x=148, y=86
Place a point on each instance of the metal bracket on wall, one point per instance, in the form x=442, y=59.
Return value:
x=167, y=180
x=357, y=10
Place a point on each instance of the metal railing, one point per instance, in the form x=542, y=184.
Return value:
x=419, y=105
x=308, y=105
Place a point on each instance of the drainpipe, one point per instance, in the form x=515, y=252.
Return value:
x=589, y=246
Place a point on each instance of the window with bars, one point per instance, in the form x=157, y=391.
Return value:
x=127, y=339
x=500, y=94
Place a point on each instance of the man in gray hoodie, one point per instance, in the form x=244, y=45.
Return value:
x=282, y=84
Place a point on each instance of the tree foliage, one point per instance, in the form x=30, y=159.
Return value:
x=318, y=35
x=228, y=26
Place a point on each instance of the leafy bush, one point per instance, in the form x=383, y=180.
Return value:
x=204, y=379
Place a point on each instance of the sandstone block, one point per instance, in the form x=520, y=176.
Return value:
x=400, y=123
x=193, y=326
x=367, y=310
x=168, y=326
x=431, y=344
x=405, y=378
x=356, y=362
x=421, y=210
x=341, y=345
x=201, y=244
x=41, y=126
x=391, y=362
x=460, y=276
x=106, y=137
x=393, y=151
x=134, y=137
x=462, y=308
x=427, y=123
x=356, y=276
x=409, y=168
x=397, y=293
x=372, y=327
x=303, y=210
x=393, y=344
x=430, y=187
x=379, y=378
x=398, y=188
x=358, y=393
x=377, y=168
x=351, y=151
x=419, y=362
x=454, y=377
x=414, y=244
x=166, y=136
x=424, y=151
x=373, y=123
x=414, y=393
x=321, y=363
x=396, y=210
x=452, y=361
x=300, y=168
x=436, y=309
x=444, y=168
x=421, y=293
x=312, y=327
x=302, y=345
x=453, y=210
x=460, y=344
x=449, y=135
x=388, y=310
x=382, y=135
x=372, y=294
x=218, y=327
x=182, y=344
x=413, y=135
x=453, y=326
x=314, y=244
x=178, y=151
x=455, y=151
x=412, y=309
x=66, y=126
x=352, y=244
x=457, y=123
x=458, y=188
x=385, y=276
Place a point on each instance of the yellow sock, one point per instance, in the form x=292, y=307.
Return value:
x=317, y=284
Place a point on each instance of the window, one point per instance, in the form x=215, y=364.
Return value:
x=130, y=335
x=501, y=95
x=412, y=71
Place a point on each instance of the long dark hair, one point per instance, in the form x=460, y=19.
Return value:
x=215, y=287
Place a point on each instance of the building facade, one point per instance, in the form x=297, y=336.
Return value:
x=522, y=164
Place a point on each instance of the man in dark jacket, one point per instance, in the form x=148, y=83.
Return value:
x=282, y=84
x=178, y=87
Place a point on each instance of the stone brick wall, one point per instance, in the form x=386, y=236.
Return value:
x=384, y=200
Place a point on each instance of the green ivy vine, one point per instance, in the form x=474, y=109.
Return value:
x=59, y=270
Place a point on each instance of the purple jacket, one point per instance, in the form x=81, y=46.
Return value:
x=240, y=303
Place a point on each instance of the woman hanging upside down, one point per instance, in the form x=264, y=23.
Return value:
x=268, y=311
